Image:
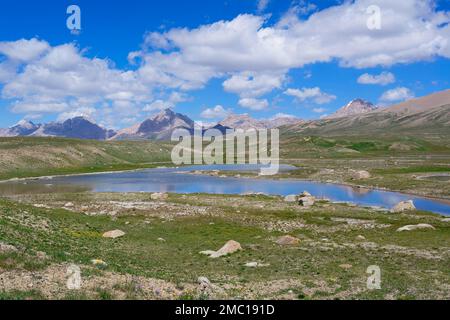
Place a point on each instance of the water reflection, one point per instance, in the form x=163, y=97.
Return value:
x=179, y=180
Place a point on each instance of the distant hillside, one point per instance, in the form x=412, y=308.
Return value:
x=423, y=116
x=25, y=156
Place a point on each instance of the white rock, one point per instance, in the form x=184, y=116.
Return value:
x=251, y=264
x=404, y=206
x=229, y=248
x=415, y=227
x=306, y=199
x=446, y=220
x=114, y=234
x=69, y=205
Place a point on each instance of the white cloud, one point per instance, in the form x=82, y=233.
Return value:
x=62, y=80
x=215, y=113
x=23, y=50
x=383, y=78
x=411, y=31
x=254, y=104
x=158, y=105
x=311, y=94
x=397, y=94
x=262, y=5
x=251, y=85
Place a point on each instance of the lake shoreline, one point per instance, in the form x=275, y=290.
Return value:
x=336, y=183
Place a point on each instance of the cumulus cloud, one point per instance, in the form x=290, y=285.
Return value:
x=250, y=54
x=254, y=104
x=412, y=30
x=23, y=50
x=383, y=78
x=39, y=78
x=215, y=113
x=397, y=94
x=250, y=85
x=311, y=94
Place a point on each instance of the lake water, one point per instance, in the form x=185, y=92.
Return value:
x=179, y=180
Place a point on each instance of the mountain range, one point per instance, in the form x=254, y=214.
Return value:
x=427, y=114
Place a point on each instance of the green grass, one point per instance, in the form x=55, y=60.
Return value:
x=72, y=237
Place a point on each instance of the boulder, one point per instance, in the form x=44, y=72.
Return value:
x=114, y=234
x=446, y=220
x=229, y=248
x=404, y=206
x=420, y=226
x=159, y=196
x=306, y=199
x=69, y=205
x=288, y=241
x=360, y=174
x=290, y=198
x=360, y=238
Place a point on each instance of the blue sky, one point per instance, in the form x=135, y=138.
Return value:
x=206, y=58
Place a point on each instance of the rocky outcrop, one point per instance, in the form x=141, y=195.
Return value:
x=420, y=226
x=229, y=248
x=404, y=206
x=158, y=127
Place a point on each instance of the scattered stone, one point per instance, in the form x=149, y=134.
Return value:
x=204, y=282
x=127, y=223
x=159, y=196
x=404, y=206
x=7, y=248
x=306, y=199
x=420, y=226
x=360, y=238
x=360, y=174
x=207, y=252
x=290, y=198
x=345, y=266
x=162, y=239
x=229, y=248
x=69, y=205
x=288, y=241
x=114, y=234
x=251, y=264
